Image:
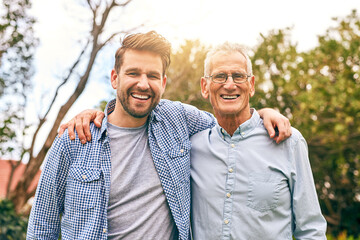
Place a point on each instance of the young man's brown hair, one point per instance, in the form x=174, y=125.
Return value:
x=150, y=41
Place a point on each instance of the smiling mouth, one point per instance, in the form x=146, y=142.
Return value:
x=140, y=96
x=229, y=97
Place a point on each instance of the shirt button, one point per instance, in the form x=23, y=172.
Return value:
x=104, y=230
x=232, y=145
x=226, y=221
x=222, y=130
x=228, y=195
x=181, y=150
x=231, y=170
x=84, y=176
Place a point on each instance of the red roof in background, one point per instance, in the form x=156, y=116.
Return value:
x=5, y=169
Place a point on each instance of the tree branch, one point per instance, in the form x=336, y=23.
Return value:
x=65, y=80
x=122, y=4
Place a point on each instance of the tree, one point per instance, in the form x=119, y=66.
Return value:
x=17, y=46
x=336, y=137
x=80, y=70
x=319, y=91
x=185, y=71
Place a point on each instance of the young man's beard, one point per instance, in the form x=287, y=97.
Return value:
x=124, y=100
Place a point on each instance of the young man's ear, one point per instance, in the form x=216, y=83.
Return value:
x=204, y=88
x=113, y=79
x=163, y=83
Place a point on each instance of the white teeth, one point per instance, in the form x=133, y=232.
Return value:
x=229, y=96
x=141, y=96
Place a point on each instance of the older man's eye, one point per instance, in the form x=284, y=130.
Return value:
x=220, y=76
x=238, y=76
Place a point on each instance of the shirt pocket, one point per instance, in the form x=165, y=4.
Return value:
x=263, y=191
x=83, y=188
x=180, y=158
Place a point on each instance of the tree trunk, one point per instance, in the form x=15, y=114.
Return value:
x=20, y=195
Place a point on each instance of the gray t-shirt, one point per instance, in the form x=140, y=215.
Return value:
x=137, y=206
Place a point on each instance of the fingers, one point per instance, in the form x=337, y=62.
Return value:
x=81, y=123
x=270, y=128
x=83, y=120
x=71, y=126
x=62, y=129
x=278, y=126
x=80, y=129
x=284, y=127
x=98, y=119
x=86, y=126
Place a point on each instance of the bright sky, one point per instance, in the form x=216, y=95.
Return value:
x=61, y=23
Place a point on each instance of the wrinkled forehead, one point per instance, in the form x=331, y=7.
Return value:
x=227, y=62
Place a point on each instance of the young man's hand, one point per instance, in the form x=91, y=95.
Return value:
x=82, y=124
x=277, y=125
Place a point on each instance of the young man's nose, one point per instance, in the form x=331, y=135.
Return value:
x=143, y=82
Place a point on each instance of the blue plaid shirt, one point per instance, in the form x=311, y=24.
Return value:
x=74, y=188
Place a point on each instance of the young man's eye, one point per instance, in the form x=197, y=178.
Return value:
x=153, y=77
x=132, y=74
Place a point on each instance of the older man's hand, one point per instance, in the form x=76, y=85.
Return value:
x=81, y=123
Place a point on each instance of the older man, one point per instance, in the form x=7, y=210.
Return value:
x=244, y=186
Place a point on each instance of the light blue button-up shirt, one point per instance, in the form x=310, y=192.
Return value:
x=248, y=187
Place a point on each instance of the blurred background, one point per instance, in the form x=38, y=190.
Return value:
x=56, y=58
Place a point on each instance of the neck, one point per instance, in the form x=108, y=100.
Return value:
x=231, y=122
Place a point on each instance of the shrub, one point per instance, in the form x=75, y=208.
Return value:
x=12, y=225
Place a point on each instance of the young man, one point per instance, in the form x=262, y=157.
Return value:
x=245, y=186
x=132, y=180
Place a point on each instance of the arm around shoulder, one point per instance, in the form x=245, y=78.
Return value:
x=198, y=120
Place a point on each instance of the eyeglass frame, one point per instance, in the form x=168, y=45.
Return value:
x=227, y=77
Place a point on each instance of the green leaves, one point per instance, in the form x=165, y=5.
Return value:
x=12, y=225
x=184, y=74
x=319, y=91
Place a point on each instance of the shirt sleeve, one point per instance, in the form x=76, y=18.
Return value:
x=44, y=221
x=197, y=120
x=309, y=223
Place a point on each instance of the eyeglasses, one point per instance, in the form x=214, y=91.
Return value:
x=223, y=77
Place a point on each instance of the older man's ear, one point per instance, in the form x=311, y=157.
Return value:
x=204, y=88
x=252, y=86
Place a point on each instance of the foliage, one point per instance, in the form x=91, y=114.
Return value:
x=185, y=71
x=17, y=45
x=342, y=236
x=98, y=15
x=12, y=225
x=319, y=91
